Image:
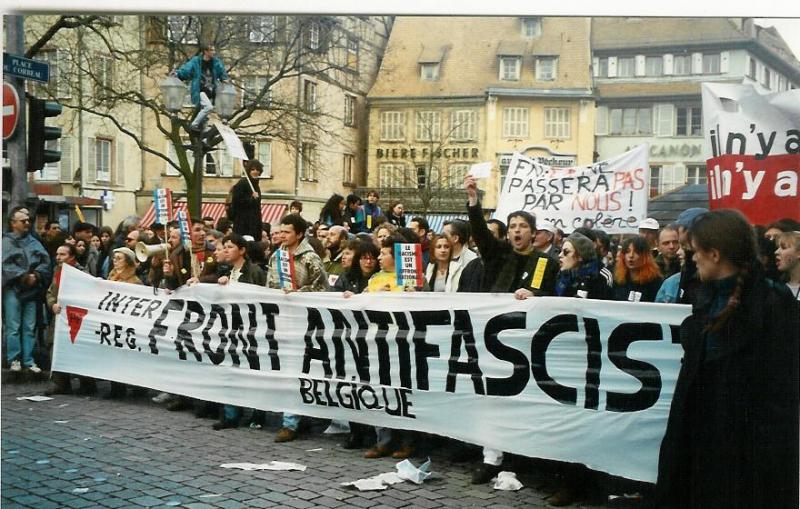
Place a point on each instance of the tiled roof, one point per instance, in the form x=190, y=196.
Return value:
x=613, y=33
x=665, y=208
x=470, y=62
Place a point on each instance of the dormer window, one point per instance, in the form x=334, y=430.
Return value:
x=429, y=72
x=509, y=68
x=531, y=27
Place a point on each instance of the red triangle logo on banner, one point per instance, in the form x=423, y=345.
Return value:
x=75, y=320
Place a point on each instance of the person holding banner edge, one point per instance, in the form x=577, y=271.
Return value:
x=512, y=266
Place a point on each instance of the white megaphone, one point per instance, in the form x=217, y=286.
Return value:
x=144, y=251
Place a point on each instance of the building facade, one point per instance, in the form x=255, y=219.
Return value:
x=445, y=99
x=647, y=75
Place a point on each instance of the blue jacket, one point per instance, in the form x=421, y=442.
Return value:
x=22, y=255
x=193, y=70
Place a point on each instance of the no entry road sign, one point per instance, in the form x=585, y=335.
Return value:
x=10, y=110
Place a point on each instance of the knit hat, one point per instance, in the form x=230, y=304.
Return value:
x=584, y=247
x=129, y=254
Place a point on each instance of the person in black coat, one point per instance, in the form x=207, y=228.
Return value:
x=636, y=275
x=732, y=434
x=580, y=270
x=245, y=206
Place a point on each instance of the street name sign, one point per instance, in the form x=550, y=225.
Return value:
x=25, y=68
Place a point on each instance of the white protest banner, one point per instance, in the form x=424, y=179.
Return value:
x=234, y=144
x=752, y=147
x=567, y=379
x=611, y=194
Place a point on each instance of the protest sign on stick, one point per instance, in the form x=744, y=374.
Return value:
x=162, y=200
x=752, y=146
x=285, y=261
x=610, y=195
x=408, y=265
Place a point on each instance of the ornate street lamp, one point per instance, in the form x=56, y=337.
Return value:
x=225, y=101
x=173, y=92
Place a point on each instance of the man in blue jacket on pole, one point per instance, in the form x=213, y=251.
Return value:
x=205, y=70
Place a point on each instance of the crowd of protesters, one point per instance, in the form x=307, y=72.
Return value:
x=732, y=435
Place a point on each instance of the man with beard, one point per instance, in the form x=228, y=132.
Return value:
x=333, y=243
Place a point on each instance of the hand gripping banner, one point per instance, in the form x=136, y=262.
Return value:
x=566, y=379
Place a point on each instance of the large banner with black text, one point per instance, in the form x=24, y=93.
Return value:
x=566, y=379
x=610, y=195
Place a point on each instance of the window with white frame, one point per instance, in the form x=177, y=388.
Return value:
x=602, y=70
x=531, y=27
x=224, y=161
x=711, y=63
x=682, y=65
x=348, y=165
x=546, y=68
x=393, y=126
x=349, y=110
x=210, y=168
x=251, y=87
x=352, y=53
x=428, y=179
x=668, y=178
x=310, y=96
x=263, y=29
x=104, y=74
x=696, y=174
x=655, y=180
x=313, y=36
x=102, y=159
x=631, y=121
x=183, y=29
x=626, y=67
x=557, y=123
x=264, y=151
x=456, y=174
x=308, y=158
x=428, y=125
x=688, y=121
x=392, y=175
x=464, y=125
x=59, y=62
x=654, y=66
x=515, y=122
x=509, y=68
x=50, y=171
x=752, y=70
x=429, y=72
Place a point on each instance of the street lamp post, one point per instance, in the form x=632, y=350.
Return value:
x=173, y=92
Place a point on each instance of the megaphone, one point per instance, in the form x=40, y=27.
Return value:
x=144, y=251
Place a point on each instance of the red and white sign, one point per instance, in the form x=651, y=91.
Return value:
x=10, y=110
x=752, y=147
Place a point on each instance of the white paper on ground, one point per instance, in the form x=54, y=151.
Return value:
x=378, y=482
x=507, y=481
x=481, y=170
x=34, y=398
x=407, y=471
x=272, y=465
x=80, y=490
x=337, y=427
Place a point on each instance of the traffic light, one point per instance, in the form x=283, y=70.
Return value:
x=39, y=133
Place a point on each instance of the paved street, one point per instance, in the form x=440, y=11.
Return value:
x=77, y=451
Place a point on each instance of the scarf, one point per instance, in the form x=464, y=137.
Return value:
x=569, y=278
x=122, y=275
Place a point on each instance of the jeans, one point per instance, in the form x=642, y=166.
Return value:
x=205, y=108
x=231, y=413
x=291, y=421
x=20, y=322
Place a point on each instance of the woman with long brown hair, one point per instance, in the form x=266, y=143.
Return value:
x=636, y=276
x=732, y=434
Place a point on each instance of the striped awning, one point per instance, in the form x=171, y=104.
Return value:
x=436, y=221
x=270, y=212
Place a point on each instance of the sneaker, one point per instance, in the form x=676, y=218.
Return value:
x=285, y=435
x=33, y=368
x=16, y=367
x=162, y=398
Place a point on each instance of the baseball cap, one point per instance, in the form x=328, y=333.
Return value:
x=688, y=216
x=649, y=224
x=548, y=227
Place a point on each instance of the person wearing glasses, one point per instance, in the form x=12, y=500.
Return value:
x=26, y=273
